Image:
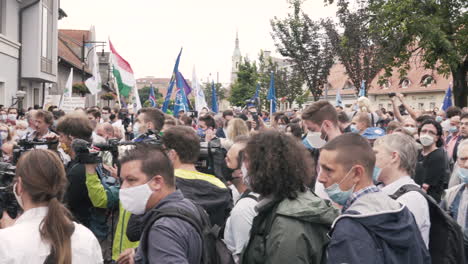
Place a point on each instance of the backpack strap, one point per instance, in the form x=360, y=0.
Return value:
x=169, y=212
x=406, y=188
x=247, y=194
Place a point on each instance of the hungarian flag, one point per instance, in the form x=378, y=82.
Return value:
x=123, y=72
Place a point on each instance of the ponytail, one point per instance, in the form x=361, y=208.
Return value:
x=57, y=229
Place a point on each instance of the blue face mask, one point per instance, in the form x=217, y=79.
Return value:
x=463, y=175
x=337, y=195
x=354, y=129
x=453, y=129
x=201, y=132
x=376, y=173
x=439, y=119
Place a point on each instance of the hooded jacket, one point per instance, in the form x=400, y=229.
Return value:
x=376, y=229
x=298, y=232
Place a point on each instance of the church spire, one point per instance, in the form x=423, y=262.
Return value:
x=237, y=39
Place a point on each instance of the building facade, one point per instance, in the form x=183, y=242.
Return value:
x=28, y=50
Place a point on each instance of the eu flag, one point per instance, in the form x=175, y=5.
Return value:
x=272, y=94
x=171, y=84
x=214, y=99
x=447, y=99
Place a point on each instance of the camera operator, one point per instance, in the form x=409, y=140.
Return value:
x=87, y=195
x=150, y=120
x=183, y=147
x=45, y=232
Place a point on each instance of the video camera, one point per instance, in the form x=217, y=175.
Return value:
x=25, y=145
x=8, y=201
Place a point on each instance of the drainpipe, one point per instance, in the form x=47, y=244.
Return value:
x=20, y=39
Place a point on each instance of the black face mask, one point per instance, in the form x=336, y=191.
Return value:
x=227, y=172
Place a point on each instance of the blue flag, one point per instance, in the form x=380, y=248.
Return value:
x=362, y=90
x=171, y=84
x=152, y=97
x=272, y=94
x=181, y=102
x=214, y=98
x=447, y=99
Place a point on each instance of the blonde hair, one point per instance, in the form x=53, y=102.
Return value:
x=364, y=104
x=237, y=127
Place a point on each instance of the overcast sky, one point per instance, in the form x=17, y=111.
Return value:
x=149, y=33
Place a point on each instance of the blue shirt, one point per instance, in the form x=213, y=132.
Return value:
x=356, y=195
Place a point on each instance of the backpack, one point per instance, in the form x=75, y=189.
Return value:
x=247, y=194
x=214, y=249
x=445, y=236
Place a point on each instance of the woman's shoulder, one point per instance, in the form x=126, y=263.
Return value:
x=83, y=232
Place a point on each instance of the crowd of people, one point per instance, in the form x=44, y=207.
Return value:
x=324, y=184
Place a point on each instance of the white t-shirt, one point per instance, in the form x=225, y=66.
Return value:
x=22, y=243
x=415, y=202
x=238, y=225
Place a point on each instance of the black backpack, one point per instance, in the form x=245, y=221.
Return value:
x=216, y=158
x=445, y=236
x=214, y=249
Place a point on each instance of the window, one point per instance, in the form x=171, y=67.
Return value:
x=427, y=80
x=386, y=84
x=36, y=96
x=421, y=106
x=432, y=106
x=405, y=83
x=47, y=25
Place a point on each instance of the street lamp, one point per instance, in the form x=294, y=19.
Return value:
x=19, y=97
x=83, y=57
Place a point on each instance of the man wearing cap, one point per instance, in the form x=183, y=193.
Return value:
x=373, y=133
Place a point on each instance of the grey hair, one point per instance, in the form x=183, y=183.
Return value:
x=461, y=145
x=406, y=148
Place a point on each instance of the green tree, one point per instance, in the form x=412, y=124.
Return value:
x=304, y=97
x=220, y=93
x=301, y=39
x=436, y=31
x=359, y=48
x=244, y=87
x=145, y=91
x=289, y=84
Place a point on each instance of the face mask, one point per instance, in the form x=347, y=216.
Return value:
x=439, y=119
x=376, y=173
x=245, y=175
x=463, y=175
x=201, y=132
x=315, y=139
x=18, y=198
x=4, y=135
x=282, y=127
x=105, y=117
x=411, y=130
x=12, y=117
x=136, y=129
x=3, y=117
x=134, y=199
x=453, y=129
x=354, y=129
x=426, y=140
x=20, y=133
x=337, y=195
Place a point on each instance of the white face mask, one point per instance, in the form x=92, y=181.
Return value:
x=315, y=138
x=245, y=176
x=426, y=140
x=18, y=198
x=20, y=133
x=12, y=117
x=134, y=199
x=4, y=135
x=411, y=130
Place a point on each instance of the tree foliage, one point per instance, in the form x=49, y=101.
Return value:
x=244, y=86
x=435, y=31
x=303, y=41
x=145, y=91
x=359, y=48
x=207, y=88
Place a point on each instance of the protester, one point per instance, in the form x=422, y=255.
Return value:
x=344, y=122
x=373, y=228
x=239, y=223
x=45, y=232
x=221, y=132
x=148, y=187
x=150, y=123
x=292, y=222
x=453, y=136
x=396, y=157
x=455, y=201
x=206, y=127
x=362, y=122
x=42, y=122
x=294, y=129
x=431, y=170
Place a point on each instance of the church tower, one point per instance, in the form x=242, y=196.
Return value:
x=236, y=60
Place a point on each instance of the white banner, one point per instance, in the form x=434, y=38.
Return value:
x=69, y=104
x=50, y=100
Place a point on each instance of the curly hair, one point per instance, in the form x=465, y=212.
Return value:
x=278, y=165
